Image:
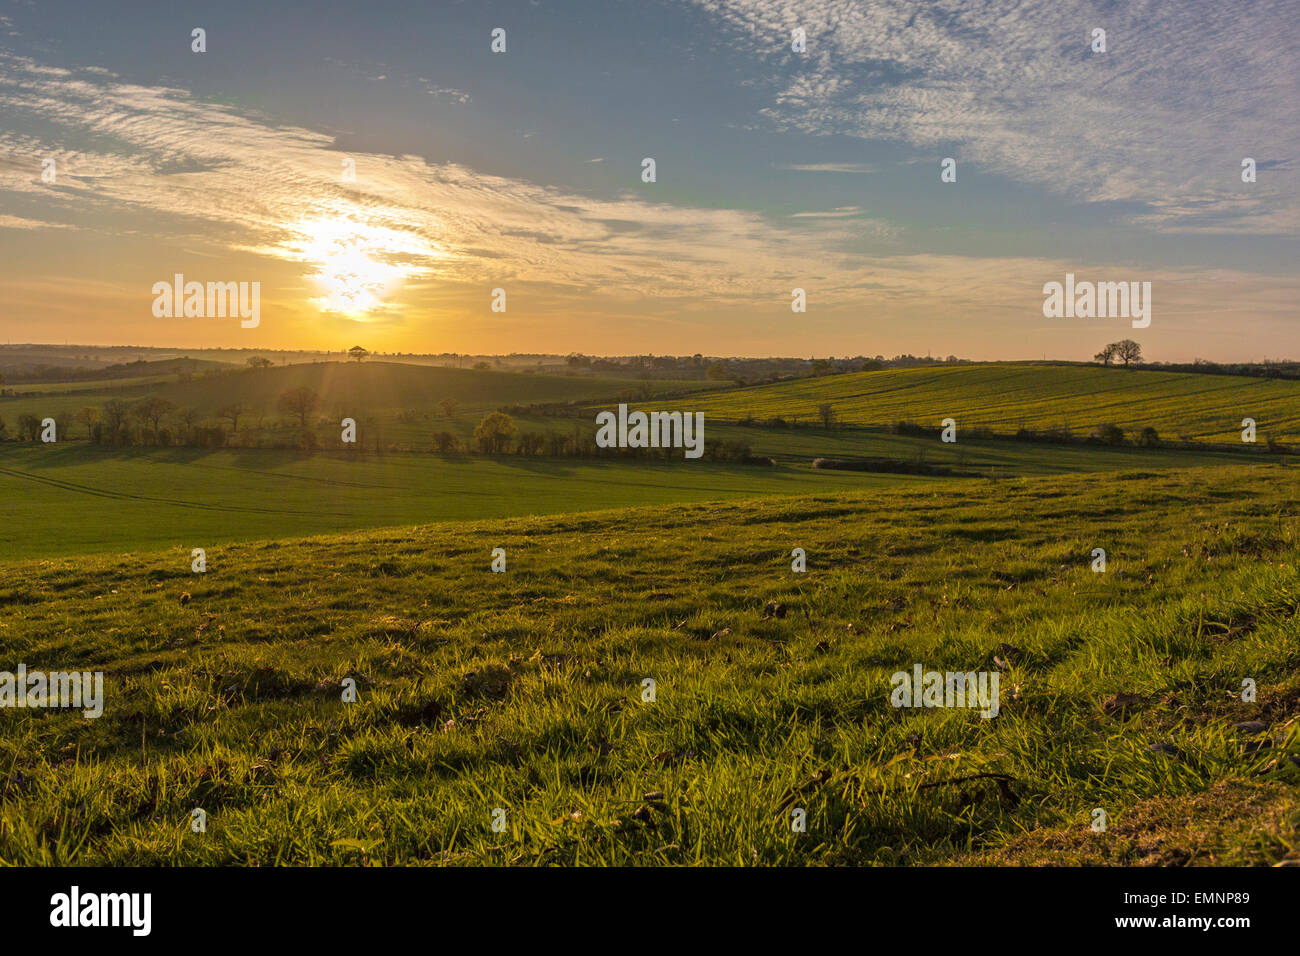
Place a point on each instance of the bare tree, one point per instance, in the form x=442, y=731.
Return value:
x=1128, y=351
x=300, y=401
x=152, y=410
x=1106, y=355
x=114, y=414
x=826, y=412
x=88, y=416
x=188, y=418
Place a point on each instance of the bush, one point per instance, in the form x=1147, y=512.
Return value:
x=1149, y=438
x=911, y=428
x=494, y=433
x=1111, y=434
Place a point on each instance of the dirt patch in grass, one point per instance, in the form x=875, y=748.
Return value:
x=1234, y=823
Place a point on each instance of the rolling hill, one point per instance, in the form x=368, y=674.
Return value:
x=1005, y=397
x=525, y=690
x=378, y=388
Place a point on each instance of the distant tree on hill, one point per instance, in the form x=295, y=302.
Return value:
x=1128, y=351
x=826, y=412
x=481, y=365
x=232, y=413
x=1106, y=355
x=258, y=362
x=494, y=432
x=357, y=353
x=449, y=406
x=716, y=372
x=300, y=401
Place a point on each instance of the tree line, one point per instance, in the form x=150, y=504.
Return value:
x=155, y=421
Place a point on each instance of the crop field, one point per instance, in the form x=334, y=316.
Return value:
x=524, y=693
x=1009, y=396
x=985, y=456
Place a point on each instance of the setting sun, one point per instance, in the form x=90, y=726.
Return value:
x=355, y=266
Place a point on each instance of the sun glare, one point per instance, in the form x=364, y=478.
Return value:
x=356, y=267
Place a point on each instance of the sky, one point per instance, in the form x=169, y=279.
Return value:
x=379, y=170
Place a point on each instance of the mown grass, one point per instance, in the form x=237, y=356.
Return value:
x=523, y=690
x=1008, y=396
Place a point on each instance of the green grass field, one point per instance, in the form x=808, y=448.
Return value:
x=58, y=500
x=523, y=690
x=76, y=498
x=1008, y=396
x=371, y=389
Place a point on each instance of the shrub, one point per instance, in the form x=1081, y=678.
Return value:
x=1109, y=433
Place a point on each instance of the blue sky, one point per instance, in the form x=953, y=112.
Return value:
x=521, y=170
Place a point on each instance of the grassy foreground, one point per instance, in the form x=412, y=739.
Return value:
x=523, y=690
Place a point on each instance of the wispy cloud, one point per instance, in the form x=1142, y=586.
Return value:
x=859, y=168
x=204, y=178
x=277, y=190
x=18, y=222
x=1163, y=118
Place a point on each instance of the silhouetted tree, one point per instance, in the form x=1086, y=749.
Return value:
x=300, y=401
x=1128, y=351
